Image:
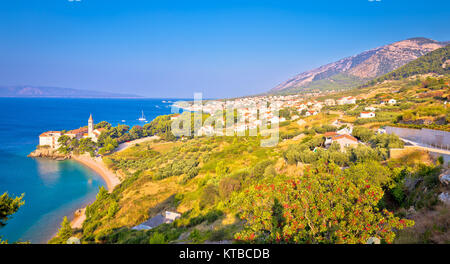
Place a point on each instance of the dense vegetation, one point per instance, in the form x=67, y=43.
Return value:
x=432, y=62
x=230, y=189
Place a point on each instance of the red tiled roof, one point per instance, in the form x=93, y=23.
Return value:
x=330, y=134
x=48, y=133
x=344, y=136
x=78, y=130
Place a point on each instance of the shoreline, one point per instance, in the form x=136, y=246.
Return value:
x=97, y=165
x=110, y=178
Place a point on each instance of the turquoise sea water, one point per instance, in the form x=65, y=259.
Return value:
x=54, y=189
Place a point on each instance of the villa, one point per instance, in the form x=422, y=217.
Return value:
x=343, y=140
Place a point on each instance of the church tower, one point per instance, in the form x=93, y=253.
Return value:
x=90, y=126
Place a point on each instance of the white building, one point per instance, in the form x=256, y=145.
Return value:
x=367, y=115
x=389, y=101
x=345, y=131
x=346, y=100
x=50, y=138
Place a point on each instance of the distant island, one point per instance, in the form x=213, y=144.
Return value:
x=44, y=91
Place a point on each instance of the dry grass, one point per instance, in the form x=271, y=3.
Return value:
x=411, y=156
x=431, y=226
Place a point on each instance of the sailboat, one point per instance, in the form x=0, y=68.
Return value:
x=142, y=118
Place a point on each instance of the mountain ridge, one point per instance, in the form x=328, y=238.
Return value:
x=358, y=69
x=30, y=91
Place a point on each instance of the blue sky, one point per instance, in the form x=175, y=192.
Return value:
x=174, y=48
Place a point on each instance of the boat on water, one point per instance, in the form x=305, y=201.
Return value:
x=142, y=118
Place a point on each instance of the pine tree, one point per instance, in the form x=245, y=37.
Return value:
x=64, y=233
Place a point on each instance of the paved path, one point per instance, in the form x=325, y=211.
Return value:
x=126, y=145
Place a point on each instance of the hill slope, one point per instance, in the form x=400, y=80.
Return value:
x=355, y=70
x=39, y=91
x=437, y=61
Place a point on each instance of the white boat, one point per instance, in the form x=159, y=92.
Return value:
x=142, y=118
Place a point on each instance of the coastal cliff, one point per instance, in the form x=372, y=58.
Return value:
x=48, y=153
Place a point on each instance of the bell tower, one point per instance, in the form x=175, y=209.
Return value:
x=90, y=126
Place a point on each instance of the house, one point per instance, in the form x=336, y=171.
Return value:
x=98, y=131
x=50, y=138
x=310, y=113
x=157, y=220
x=172, y=216
x=389, y=101
x=367, y=115
x=345, y=131
x=344, y=141
x=328, y=138
x=346, y=100
x=77, y=133
x=151, y=223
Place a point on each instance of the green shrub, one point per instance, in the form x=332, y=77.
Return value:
x=228, y=185
x=157, y=238
x=209, y=196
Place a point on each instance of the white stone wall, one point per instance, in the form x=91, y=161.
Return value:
x=428, y=137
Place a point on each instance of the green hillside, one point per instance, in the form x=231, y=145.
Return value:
x=432, y=62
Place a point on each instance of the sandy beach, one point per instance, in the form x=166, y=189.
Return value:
x=97, y=165
x=109, y=176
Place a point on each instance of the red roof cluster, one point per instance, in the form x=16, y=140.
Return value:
x=80, y=130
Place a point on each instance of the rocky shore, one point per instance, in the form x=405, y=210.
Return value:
x=49, y=154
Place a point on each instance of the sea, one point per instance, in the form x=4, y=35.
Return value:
x=54, y=189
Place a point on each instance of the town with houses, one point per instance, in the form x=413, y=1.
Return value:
x=248, y=109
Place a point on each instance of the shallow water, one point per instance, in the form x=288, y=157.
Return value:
x=54, y=189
